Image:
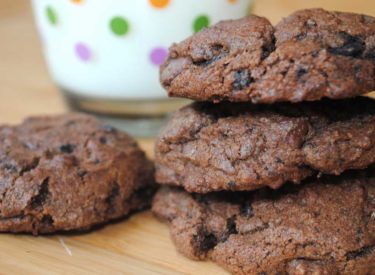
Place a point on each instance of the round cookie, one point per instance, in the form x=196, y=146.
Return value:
x=312, y=54
x=230, y=146
x=69, y=172
x=324, y=226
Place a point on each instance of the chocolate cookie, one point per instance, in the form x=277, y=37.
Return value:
x=69, y=172
x=310, y=55
x=323, y=226
x=231, y=146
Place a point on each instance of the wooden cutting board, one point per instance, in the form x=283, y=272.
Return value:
x=138, y=245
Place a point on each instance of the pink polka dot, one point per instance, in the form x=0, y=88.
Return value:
x=83, y=52
x=158, y=56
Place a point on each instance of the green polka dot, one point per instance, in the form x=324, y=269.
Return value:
x=201, y=22
x=119, y=25
x=51, y=15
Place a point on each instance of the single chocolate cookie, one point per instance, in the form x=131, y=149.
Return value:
x=231, y=146
x=324, y=226
x=69, y=172
x=310, y=55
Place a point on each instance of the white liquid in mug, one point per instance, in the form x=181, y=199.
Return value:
x=113, y=48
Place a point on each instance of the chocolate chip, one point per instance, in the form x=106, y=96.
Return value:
x=40, y=198
x=300, y=36
x=205, y=240
x=30, y=166
x=47, y=220
x=278, y=160
x=246, y=210
x=353, y=46
x=217, y=49
x=267, y=50
x=300, y=72
x=242, y=79
x=66, y=148
x=215, y=53
x=103, y=140
x=364, y=251
x=231, y=225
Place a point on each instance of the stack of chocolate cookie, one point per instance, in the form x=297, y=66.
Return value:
x=277, y=164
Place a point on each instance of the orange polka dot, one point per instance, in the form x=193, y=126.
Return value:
x=232, y=1
x=159, y=3
x=77, y=1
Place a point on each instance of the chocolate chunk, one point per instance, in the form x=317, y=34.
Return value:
x=246, y=210
x=39, y=199
x=67, y=148
x=205, y=240
x=301, y=72
x=242, y=79
x=216, y=53
x=353, y=46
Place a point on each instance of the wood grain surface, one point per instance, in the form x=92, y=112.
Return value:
x=138, y=245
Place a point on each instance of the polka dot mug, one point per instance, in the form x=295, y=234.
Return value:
x=112, y=49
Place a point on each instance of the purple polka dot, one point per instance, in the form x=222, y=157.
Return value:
x=158, y=56
x=83, y=52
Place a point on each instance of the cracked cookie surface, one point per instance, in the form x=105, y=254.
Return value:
x=324, y=226
x=69, y=172
x=230, y=146
x=311, y=54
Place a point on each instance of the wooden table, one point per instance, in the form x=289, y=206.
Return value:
x=138, y=245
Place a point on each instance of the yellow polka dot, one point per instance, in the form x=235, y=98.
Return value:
x=159, y=3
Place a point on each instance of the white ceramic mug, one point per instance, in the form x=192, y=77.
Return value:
x=112, y=48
